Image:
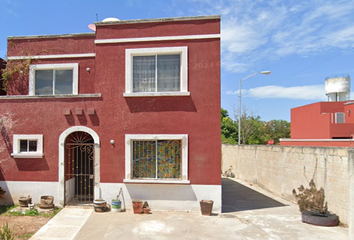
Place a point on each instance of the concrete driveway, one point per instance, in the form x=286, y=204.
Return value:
x=248, y=213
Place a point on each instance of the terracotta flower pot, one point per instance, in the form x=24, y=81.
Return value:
x=137, y=206
x=206, y=207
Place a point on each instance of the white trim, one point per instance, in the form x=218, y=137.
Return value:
x=162, y=197
x=156, y=181
x=79, y=55
x=87, y=95
x=315, y=140
x=129, y=53
x=156, y=94
x=36, y=189
x=150, y=39
x=128, y=155
x=60, y=66
x=16, y=146
x=61, y=173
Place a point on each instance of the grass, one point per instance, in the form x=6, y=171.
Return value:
x=6, y=210
x=25, y=236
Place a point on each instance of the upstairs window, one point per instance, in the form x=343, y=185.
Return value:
x=339, y=117
x=54, y=79
x=156, y=71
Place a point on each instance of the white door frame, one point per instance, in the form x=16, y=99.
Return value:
x=96, y=163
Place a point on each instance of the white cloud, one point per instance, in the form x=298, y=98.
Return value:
x=312, y=92
x=258, y=31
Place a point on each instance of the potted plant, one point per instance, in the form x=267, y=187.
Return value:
x=313, y=207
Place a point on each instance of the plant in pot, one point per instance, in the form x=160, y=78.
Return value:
x=313, y=207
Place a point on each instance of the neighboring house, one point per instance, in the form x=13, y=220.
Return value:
x=134, y=105
x=325, y=123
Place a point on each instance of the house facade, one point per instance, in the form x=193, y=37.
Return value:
x=322, y=124
x=134, y=105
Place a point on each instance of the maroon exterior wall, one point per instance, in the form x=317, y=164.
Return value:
x=197, y=115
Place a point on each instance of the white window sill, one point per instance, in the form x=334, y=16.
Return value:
x=27, y=155
x=156, y=181
x=156, y=94
x=88, y=95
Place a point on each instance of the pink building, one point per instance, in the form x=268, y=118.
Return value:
x=134, y=105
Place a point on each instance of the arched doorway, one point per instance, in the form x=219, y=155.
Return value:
x=79, y=166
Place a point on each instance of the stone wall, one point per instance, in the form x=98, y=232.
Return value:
x=280, y=169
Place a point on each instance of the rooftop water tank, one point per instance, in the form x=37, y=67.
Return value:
x=338, y=88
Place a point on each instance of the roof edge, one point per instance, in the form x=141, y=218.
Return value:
x=151, y=20
x=53, y=36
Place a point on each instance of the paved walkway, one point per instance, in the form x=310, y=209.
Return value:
x=65, y=225
x=247, y=214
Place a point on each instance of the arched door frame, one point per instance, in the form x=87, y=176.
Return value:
x=96, y=140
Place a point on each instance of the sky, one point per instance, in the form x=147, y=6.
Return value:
x=301, y=42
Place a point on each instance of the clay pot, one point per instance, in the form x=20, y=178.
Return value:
x=24, y=201
x=47, y=202
x=137, y=206
x=147, y=210
x=99, y=205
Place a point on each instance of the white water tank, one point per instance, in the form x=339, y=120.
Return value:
x=338, y=89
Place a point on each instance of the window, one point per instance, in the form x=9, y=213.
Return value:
x=157, y=158
x=156, y=72
x=339, y=117
x=27, y=146
x=53, y=79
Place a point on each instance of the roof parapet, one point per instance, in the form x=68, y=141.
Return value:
x=173, y=19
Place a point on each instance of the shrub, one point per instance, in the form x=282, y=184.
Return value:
x=6, y=233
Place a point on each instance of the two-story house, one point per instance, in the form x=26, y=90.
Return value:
x=134, y=105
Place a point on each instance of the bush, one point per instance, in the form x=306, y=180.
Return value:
x=6, y=233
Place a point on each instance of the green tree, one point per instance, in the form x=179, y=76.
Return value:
x=254, y=131
x=277, y=129
x=228, y=128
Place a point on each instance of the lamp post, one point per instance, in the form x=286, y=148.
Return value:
x=239, y=102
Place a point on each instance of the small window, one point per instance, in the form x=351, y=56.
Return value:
x=156, y=158
x=27, y=146
x=340, y=117
x=53, y=79
x=156, y=71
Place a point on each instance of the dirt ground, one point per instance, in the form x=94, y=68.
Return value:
x=24, y=226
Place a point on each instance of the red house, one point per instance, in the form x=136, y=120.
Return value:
x=325, y=123
x=322, y=124
x=134, y=105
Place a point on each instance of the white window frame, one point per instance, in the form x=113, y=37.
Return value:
x=339, y=116
x=130, y=53
x=16, y=153
x=60, y=66
x=129, y=138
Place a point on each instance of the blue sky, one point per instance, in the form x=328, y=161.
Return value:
x=301, y=42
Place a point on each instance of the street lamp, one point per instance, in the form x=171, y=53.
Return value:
x=239, y=102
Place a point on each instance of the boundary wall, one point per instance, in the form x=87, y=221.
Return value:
x=280, y=169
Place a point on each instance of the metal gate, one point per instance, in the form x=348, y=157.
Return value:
x=79, y=176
